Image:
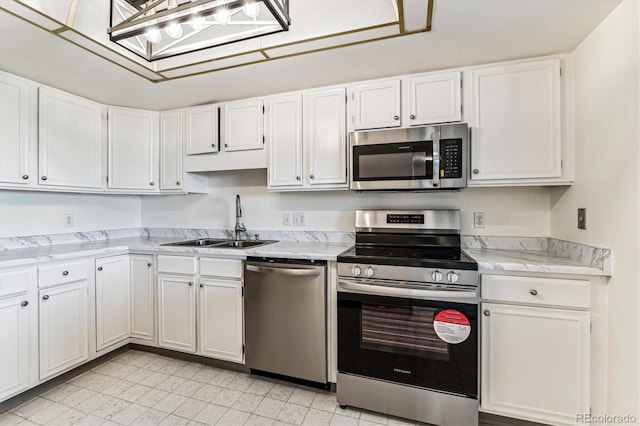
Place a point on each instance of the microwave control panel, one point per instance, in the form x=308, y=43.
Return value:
x=451, y=158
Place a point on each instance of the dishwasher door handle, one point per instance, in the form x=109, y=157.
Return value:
x=284, y=271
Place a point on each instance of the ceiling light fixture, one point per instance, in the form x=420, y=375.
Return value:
x=136, y=24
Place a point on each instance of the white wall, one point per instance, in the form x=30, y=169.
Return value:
x=607, y=184
x=509, y=211
x=36, y=213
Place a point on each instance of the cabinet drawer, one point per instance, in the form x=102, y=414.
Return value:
x=15, y=282
x=536, y=291
x=177, y=264
x=62, y=273
x=221, y=268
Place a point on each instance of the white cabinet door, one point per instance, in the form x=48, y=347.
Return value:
x=202, y=130
x=63, y=328
x=142, y=297
x=376, y=105
x=326, y=137
x=516, y=128
x=285, y=140
x=14, y=345
x=177, y=312
x=171, y=150
x=133, y=149
x=535, y=363
x=221, y=319
x=243, y=125
x=113, y=300
x=434, y=98
x=14, y=131
x=70, y=140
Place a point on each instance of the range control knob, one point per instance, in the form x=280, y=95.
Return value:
x=369, y=271
x=436, y=275
x=452, y=277
x=356, y=271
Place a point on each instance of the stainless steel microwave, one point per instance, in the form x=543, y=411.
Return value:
x=418, y=158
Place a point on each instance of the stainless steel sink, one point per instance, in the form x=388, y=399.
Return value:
x=219, y=243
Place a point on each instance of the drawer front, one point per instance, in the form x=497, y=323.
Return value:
x=62, y=273
x=536, y=291
x=228, y=268
x=15, y=282
x=177, y=264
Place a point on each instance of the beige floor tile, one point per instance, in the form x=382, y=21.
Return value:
x=69, y=417
x=10, y=419
x=59, y=393
x=302, y=397
x=367, y=423
x=348, y=412
x=142, y=361
x=26, y=422
x=48, y=414
x=190, y=408
x=188, y=388
x=370, y=416
x=325, y=402
x=171, y=384
x=139, y=375
x=211, y=414
x=234, y=418
x=241, y=383
x=129, y=414
x=256, y=420
x=157, y=364
x=170, y=403
x=188, y=371
x=317, y=417
x=174, y=420
x=172, y=367
x=151, y=417
x=281, y=392
x=93, y=381
x=118, y=388
x=155, y=379
x=269, y=407
x=31, y=407
x=91, y=420
x=111, y=408
x=260, y=387
x=78, y=397
x=205, y=374
x=227, y=397
x=207, y=392
x=340, y=420
x=152, y=397
x=247, y=402
x=293, y=413
x=222, y=379
x=92, y=404
x=134, y=393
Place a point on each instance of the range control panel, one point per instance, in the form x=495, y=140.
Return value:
x=405, y=218
x=451, y=158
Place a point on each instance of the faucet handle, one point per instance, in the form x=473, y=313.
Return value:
x=256, y=237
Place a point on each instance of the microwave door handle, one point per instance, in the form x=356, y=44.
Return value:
x=436, y=158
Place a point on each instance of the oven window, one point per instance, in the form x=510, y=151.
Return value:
x=401, y=329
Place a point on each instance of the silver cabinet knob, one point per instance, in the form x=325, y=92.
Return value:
x=45, y=297
x=190, y=283
x=213, y=145
x=43, y=178
x=25, y=303
x=65, y=273
x=311, y=176
x=533, y=292
x=99, y=268
x=412, y=116
x=476, y=171
x=486, y=313
x=226, y=145
x=201, y=285
x=396, y=117
x=25, y=177
x=177, y=182
x=149, y=264
x=152, y=183
x=297, y=177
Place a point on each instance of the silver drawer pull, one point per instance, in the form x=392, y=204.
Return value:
x=533, y=292
x=283, y=271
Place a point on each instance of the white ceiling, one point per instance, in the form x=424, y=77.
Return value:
x=464, y=32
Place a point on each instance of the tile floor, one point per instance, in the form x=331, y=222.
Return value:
x=141, y=388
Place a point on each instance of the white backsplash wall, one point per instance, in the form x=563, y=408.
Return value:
x=37, y=213
x=522, y=211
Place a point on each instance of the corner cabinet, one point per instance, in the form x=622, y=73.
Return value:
x=243, y=123
x=17, y=113
x=70, y=140
x=516, y=124
x=307, y=141
x=535, y=348
x=133, y=149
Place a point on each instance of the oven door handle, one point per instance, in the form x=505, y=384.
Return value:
x=407, y=292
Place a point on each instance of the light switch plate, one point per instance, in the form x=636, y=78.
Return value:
x=286, y=218
x=68, y=220
x=582, y=218
x=298, y=219
x=478, y=219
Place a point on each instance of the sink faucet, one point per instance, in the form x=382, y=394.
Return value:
x=240, y=228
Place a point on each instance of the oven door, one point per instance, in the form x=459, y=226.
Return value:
x=416, y=341
x=392, y=166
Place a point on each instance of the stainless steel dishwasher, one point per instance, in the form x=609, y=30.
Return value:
x=285, y=317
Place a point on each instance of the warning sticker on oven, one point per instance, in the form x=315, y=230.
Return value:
x=452, y=326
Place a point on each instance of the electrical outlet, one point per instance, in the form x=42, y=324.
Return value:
x=478, y=219
x=582, y=218
x=68, y=220
x=298, y=219
x=286, y=218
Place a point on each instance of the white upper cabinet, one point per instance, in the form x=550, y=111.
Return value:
x=202, y=130
x=70, y=140
x=16, y=114
x=433, y=98
x=133, y=149
x=171, y=150
x=243, y=125
x=326, y=137
x=284, y=130
x=376, y=105
x=516, y=130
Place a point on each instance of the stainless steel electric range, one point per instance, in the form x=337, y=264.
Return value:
x=408, y=318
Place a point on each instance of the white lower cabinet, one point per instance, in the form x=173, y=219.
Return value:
x=63, y=327
x=535, y=359
x=113, y=301
x=177, y=312
x=221, y=319
x=142, y=297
